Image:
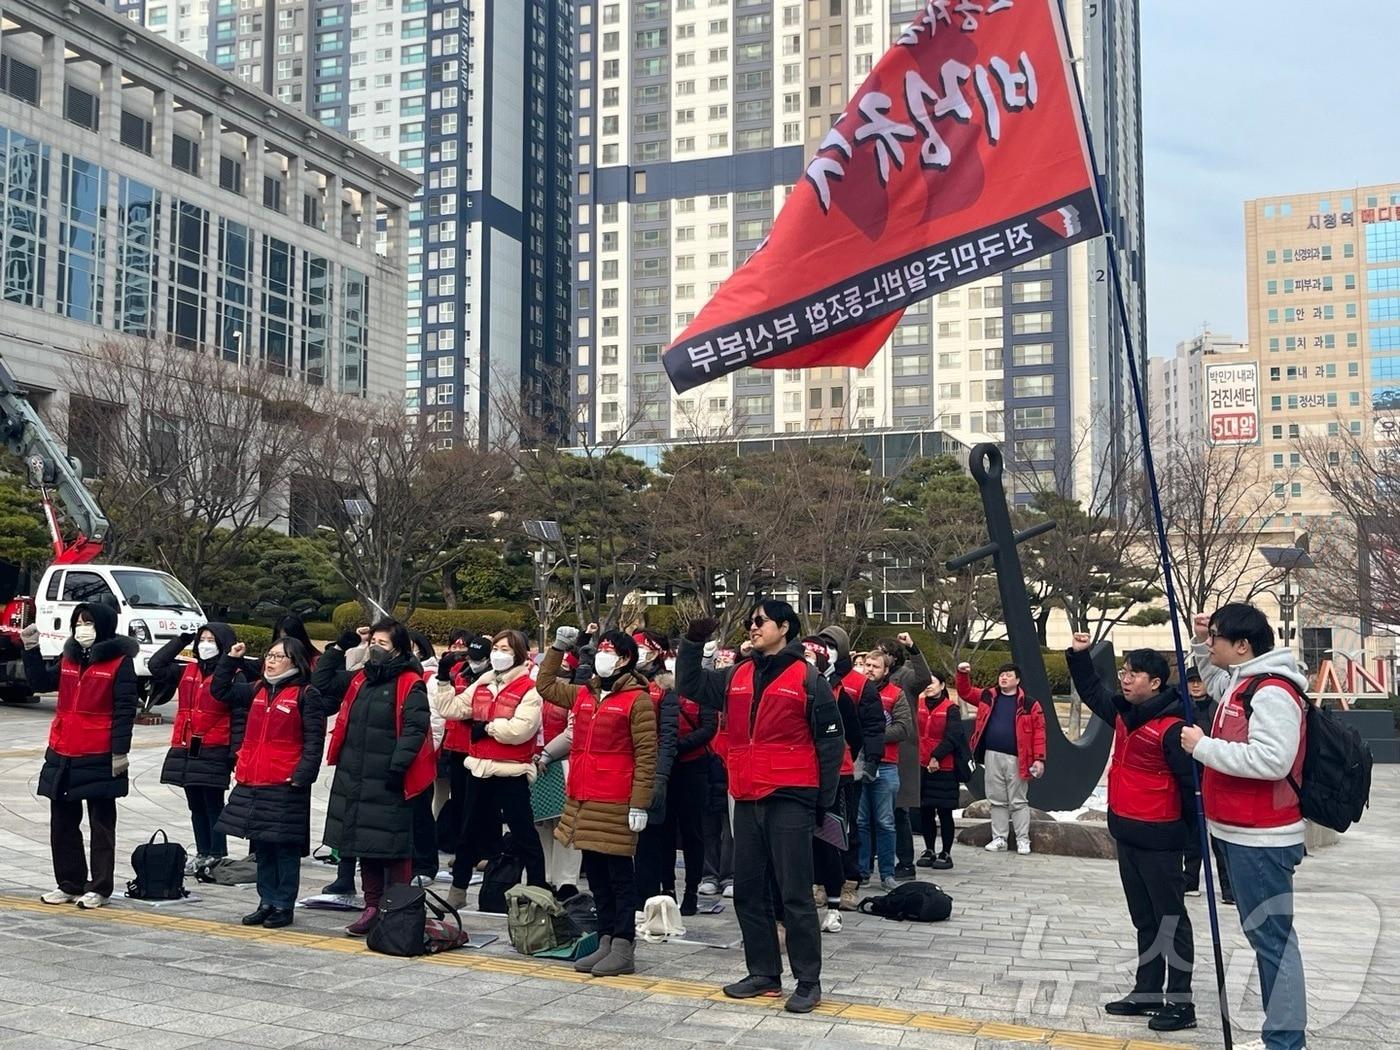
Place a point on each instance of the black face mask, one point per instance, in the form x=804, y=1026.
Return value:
x=378, y=656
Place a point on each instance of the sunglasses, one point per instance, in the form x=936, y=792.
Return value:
x=759, y=621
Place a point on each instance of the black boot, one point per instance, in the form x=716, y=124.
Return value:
x=689, y=904
x=344, y=884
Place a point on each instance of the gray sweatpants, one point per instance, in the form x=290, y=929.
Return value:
x=1006, y=790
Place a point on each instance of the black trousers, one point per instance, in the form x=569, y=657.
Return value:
x=833, y=866
x=1154, y=886
x=850, y=799
x=903, y=838
x=450, y=820
x=488, y=802
x=719, y=845
x=773, y=839
x=1193, y=866
x=612, y=881
x=206, y=803
x=656, y=846
x=70, y=863
x=932, y=818
x=425, y=850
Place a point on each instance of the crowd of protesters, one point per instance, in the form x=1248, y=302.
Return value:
x=732, y=758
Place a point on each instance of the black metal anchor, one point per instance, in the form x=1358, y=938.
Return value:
x=1072, y=767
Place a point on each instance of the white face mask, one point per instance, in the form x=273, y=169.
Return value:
x=85, y=634
x=208, y=650
x=478, y=666
x=605, y=664
x=670, y=663
x=501, y=661
x=644, y=656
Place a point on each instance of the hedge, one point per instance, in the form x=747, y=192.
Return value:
x=665, y=620
x=438, y=624
x=257, y=638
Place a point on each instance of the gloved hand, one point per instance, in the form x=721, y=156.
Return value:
x=120, y=764
x=711, y=647
x=393, y=781
x=866, y=772
x=820, y=815
x=658, y=800
x=565, y=638
x=701, y=629
x=446, y=662
x=29, y=636
x=637, y=820
x=348, y=640
x=478, y=732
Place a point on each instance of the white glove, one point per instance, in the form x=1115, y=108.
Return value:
x=711, y=647
x=637, y=819
x=565, y=638
x=119, y=765
x=29, y=636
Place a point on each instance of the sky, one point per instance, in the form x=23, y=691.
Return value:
x=1245, y=99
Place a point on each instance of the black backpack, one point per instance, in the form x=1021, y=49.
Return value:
x=402, y=926
x=505, y=871
x=912, y=902
x=160, y=870
x=1336, y=785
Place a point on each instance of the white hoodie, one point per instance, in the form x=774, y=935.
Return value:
x=1275, y=728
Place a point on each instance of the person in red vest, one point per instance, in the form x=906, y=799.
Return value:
x=1008, y=738
x=504, y=710
x=278, y=762
x=1253, y=762
x=656, y=846
x=612, y=776
x=86, y=760
x=382, y=750
x=784, y=740
x=205, y=736
x=942, y=746
x=1151, y=803
x=467, y=658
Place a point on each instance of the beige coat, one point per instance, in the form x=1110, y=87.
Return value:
x=523, y=725
x=602, y=826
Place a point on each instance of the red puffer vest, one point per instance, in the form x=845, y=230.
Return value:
x=272, y=742
x=933, y=724
x=889, y=695
x=601, y=762
x=458, y=735
x=1140, y=783
x=423, y=769
x=1240, y=801
x=690, y=723
x=198, y=713
x=82, y=723
x=486, y=707
x=778, y=751
x=553, y=721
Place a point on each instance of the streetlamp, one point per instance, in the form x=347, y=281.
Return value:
x=544, y=533
x=1289, y=559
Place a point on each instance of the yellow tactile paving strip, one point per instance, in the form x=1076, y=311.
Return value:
x=467, y=960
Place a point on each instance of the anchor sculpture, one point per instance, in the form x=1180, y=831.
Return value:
x=1072, y=767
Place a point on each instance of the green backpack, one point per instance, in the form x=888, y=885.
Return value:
x=536, y=921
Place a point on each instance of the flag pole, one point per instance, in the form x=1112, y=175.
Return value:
x=1164, y=548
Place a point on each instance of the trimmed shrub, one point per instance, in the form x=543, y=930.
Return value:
x=665, y=620
x=438, y=624
x=254, y=636
x=321, y=630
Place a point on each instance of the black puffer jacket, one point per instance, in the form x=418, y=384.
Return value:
x=367, y=815
x=273, y=813
x=213, y=765
x=90, y=776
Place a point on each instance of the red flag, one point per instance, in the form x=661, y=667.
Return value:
x=962, y=154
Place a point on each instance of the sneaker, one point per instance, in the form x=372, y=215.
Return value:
x=832, y=922
x=89, y=901
x=192, y=865
x=889, y=882
x=58, y=897
x=709, y=888
x=1133, y=1005
x=996, y=846
x=752, y=987
x=805, y=999
x=905, y=872
x=1023, y=847
x=925, y=859
x=1174, y=1017
x=1227, y=898
x=1253, y=1044
x=1194, y=891
x=728, y=892
x=819, y=896
x=942, y=862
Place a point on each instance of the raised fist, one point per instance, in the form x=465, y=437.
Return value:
x=29, y=636
x=565, y=638
x=237, y=651
x=701, y=629
x=591, y=630
x=1200, y=623
x=1080, y=643
x=965, y=667
x=364, y=633
x=905, y=640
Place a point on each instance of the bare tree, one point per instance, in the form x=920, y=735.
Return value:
x=400, y=507
x=1217, y=503
x=189, y=450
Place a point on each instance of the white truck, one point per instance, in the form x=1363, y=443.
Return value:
x=152, y=606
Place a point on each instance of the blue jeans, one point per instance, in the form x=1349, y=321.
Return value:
x=877, y=808
x=1262, y=878
x=279, y=873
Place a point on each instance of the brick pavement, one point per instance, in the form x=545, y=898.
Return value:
x=1036, y=944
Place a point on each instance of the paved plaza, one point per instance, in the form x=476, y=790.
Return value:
x=1035, y=946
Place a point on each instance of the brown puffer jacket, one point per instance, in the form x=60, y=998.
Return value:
x=602, y=826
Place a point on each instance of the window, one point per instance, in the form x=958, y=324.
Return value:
x=910, y=365
x=86, y=587
x=1033, y=418
x=910, y=396
x=1032, y=291
x=1033, y=386
x=1033, y=354
x=1031, y=323
x=82, y=240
